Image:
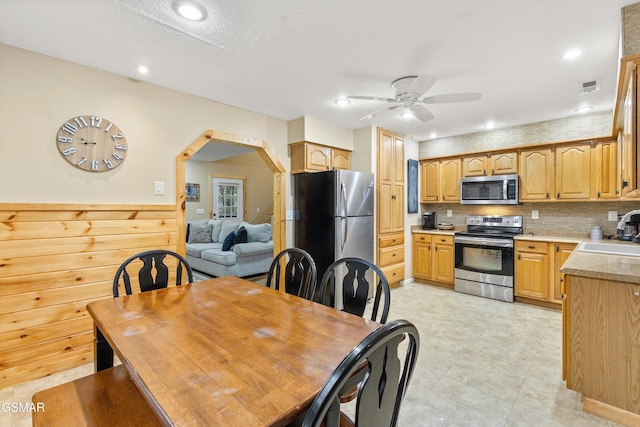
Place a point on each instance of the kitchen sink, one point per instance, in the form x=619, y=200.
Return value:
x=609, y=248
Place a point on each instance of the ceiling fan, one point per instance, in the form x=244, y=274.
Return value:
x=408, y=92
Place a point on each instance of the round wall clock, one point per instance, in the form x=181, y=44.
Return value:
x=92, y=143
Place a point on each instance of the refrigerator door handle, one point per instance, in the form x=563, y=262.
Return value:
x=343, y=196
x=345, y=231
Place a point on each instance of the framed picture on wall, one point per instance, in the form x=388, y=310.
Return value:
x=192, y=192
x=412, y=186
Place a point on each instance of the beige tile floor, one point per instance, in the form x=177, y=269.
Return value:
x=481, y=363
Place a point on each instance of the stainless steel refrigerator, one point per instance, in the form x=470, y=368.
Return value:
x=334, y=217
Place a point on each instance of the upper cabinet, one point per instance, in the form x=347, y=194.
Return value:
x=536, y=174
x=450, y=180
x=429, y=181
x=604, y=178
x=573, y=171
x=311, y=157
x=494, y=164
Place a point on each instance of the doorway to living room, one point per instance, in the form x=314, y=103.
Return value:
x=265, y=153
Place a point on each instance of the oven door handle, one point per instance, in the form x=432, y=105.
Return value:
x=500, y=243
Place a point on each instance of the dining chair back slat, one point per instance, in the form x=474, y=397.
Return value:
x=154, y=273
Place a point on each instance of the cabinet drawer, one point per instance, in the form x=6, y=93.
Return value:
x=394, y=274
x=442, y=240
x=529, y=246
x=392, y=255
x=387, y=240
x=422, y=238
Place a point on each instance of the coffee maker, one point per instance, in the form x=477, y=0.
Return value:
x=630, y=230
x=429, y=221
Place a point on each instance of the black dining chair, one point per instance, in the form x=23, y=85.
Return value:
x=299, y=276
x=154, y=273
x=350, y=274
x=376, y=364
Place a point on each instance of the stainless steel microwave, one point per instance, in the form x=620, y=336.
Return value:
x=489, y=190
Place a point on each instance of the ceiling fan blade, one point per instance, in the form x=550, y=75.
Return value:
x=372, y=98
x=421, y=113
x=421, y=84
x=452, y=97
x=375, y=113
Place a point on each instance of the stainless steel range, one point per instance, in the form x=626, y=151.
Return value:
x=484, y=259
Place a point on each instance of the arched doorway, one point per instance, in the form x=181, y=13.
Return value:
x=270, y=160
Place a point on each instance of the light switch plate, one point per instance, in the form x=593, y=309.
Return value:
x=613, y=215
x=159, y=186
x=200, y=211
x=449, y=213
x=289, y=215
x=535, y=215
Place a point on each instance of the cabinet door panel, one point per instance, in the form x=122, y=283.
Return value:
x=573, y=172
x=443, y=263
x=536, y=174
x=429, y=181
x=450, y=180
x=422, y=261
x=532, y=275
x=504, y=163
x=604, y=181
x=318, y=158
x=474, y=166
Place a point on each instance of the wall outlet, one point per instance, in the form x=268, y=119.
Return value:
x=159, y=187
x=535, y=215
x=449, y=213
x=200, y=211
x=258, y=210
x=613, y=216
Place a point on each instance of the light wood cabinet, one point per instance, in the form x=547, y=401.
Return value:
x=422, y=258
x=390, y=204
x=474, y=165
x=573, y=172
x=450, y=180
x=601, y=326
x=433, y=258
x=532, y=270
x=429, y=181
x=536, y=174
x=561, y=252
x=629, y=153
x=494, y=164
x=504, y=163
x=311, y=157
x=604, y=178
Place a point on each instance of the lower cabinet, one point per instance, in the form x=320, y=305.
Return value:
x=537, y=270
x=391, y=256
x=433, y=257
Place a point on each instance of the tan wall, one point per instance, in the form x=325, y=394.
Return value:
x=39, y=93
x=259, y=185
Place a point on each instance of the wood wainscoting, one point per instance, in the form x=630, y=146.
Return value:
x=54, y=260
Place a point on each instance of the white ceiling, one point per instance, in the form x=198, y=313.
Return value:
x=290, y=58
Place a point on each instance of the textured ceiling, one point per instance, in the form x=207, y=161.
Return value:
x=289, y=58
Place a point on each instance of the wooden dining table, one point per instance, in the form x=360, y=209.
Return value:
x=226, y=351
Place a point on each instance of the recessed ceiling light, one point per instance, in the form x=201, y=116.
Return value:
x=582, y=110
x=189, y=10
x=342, y=101
x=406, y=115
x=433, y=135
x=571, y=54
x=490, y=125
x=143, y=69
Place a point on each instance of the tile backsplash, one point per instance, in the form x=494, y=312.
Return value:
x=571, y=219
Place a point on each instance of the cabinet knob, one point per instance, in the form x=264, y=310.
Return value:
x=443, y=240
x=558, y=194
x=531, y=247
x=484, y=171
x=598, y=194
x=547, y=195
x=518, y=256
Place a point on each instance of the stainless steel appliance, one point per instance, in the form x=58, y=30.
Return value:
x=489, y=190
x=484, y=256
x=628, y=226
x=334, y=216
x=429, y=221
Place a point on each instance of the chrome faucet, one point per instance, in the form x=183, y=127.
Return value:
x=624, y=219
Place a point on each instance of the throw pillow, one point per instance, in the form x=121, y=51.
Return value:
x=200, y=233
x=258, y=232
x=227, y=227
x=216, y=236
x=241, y=236
x=228, y=241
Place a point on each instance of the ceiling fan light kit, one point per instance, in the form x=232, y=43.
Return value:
x=408, y=93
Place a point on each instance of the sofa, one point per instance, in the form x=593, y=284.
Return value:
x=227, y=248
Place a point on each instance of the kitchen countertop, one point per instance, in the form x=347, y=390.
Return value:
x=619, y=268
x=555, y=239
x=417, y=229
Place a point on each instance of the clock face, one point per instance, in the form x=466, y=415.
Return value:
x=92, y=143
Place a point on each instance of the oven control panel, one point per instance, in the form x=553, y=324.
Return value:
x=495, y=221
